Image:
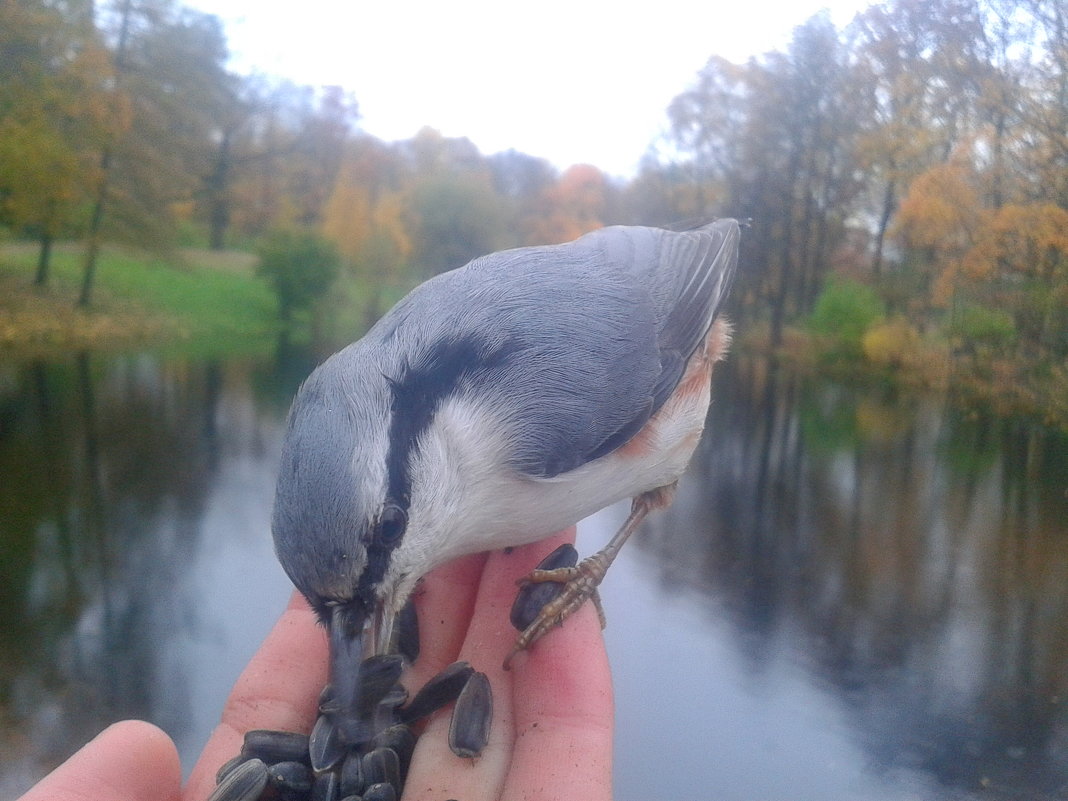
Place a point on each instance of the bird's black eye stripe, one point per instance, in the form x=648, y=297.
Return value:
x=391, y=525
x=420, y=388
x=381, y=539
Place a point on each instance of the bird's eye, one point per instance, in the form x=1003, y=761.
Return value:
x=391, y=525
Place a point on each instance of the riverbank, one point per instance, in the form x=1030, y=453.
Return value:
x=194, y=299
x=209, y=302
x=976, y=380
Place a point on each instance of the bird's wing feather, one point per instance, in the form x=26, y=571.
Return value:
x=585, y=349
x=708, y=257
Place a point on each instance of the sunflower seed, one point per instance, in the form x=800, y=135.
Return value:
x=244, y=783
x=292, y=780
x=275, y=746
x=227, y=768
x=351, y=775
x=470, y=725
x=532, y=598
x=395, y=697
x=326, y=700
x=325, y=748
x=378, y=675
x=381, y=765
x=441, y=690
x=400, y=739
x=325, y=787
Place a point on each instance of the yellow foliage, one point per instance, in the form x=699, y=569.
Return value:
x=388, y=221
x=347, y=217
x=1029, y=239
x=183, y=210
x=945, y=285
x=943, y=215
x=891, y=344
x=571, y=207
x=365, y=220
x=881, y=422
x=941, y=211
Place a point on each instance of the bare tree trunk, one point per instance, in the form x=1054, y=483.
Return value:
x=218, y=202
x=96, y=221
x=92, y=242
x=44, y=260
x=884, y=222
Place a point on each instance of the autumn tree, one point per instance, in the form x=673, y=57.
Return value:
x=999, y=272
x=520, y=176
x=169, y=72
x=986, y=223
x=667, y=194
x=915, y=67
x=569, y=207
x=235, y=149
x=709, y=125
x=300, y=266
x=452, y=210
x=1002, y=99
x=521, y=181
x=1021, y=256
x=53, y=115
x=938, y=222
x=365, y=218
x=278, y=156
x=313, y=166
x=1047, y=113
x=773, y=140
x=455, y=216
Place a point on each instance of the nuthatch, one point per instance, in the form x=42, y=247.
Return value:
x=492, y=406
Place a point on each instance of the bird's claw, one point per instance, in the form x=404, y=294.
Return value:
x=559, y=575
x=577, y=585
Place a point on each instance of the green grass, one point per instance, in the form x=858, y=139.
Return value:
x=196, y=300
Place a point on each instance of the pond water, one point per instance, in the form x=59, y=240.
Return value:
x=858, y=594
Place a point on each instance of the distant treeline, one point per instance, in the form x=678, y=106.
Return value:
x=907, y=176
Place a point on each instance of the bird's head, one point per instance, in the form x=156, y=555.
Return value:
x=340, y=518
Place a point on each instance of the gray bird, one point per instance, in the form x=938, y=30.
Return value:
x=492, y=406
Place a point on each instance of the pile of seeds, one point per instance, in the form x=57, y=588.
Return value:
x=329, y=765
x=336, y=763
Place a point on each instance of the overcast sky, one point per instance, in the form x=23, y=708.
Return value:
x=566, y=80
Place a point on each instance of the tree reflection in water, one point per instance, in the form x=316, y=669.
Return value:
x=909, y=559
x=916, y=555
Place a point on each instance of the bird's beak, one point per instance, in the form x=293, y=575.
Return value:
x=356, y=633
x=346, y=628
x=381, y=639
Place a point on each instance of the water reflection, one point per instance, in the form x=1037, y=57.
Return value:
x=114, y=472
x=856, y=593
x=913, y=560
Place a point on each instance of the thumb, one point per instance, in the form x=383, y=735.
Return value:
x=128, y=761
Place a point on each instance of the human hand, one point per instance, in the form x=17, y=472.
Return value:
x=551, y=735
x=128, y=761
x=552, y=720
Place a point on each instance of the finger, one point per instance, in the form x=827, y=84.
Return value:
x=128, y=761
x=436, y=771
x=562, y=701
x=279, y=689
x=444, y=602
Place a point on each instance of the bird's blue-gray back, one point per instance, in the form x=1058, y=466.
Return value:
x=584, y=349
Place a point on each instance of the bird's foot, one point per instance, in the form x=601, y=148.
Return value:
x=577, y=585
x=578, y=582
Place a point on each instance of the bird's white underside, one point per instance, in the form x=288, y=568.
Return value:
x=474, y=502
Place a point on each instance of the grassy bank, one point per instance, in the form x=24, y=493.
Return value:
x=196, y=299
